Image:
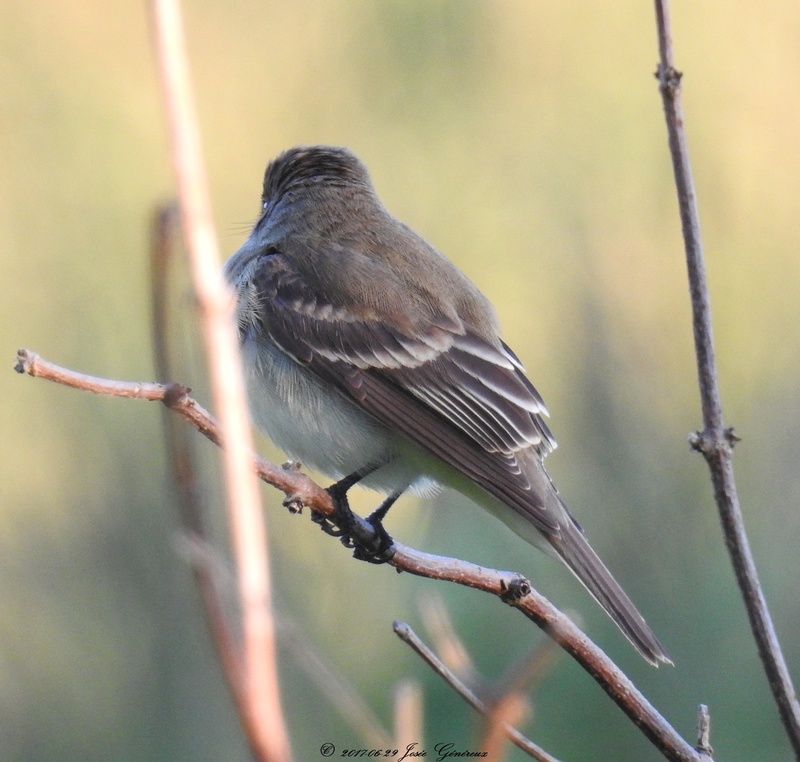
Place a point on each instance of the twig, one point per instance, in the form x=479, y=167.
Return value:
x=176, y=397
x=505, y=698
x=716, y=441
x=407, y=635
x=164, y=243
x=194, y=547
x=508, y=586
x=215, y=304
x=517, y=592
x=510, y=710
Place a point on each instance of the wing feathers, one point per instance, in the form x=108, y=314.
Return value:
x=445, y=387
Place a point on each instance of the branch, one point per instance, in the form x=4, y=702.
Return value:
x=716, y=442
x=511, y=588
x=258, y=687
x=194, y=545
x=407, y=635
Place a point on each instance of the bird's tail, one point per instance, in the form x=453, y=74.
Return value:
x=577, y=554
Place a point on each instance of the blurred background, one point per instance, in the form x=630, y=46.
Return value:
x=526, y=141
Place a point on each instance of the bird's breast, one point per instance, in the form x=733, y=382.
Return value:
x=307, y=418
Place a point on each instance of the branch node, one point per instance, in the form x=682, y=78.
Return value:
x=25, y=361
x=175, y=395
x=731, y=438
x=294, y=504
x=669, y=80
x=711, y=445
x=515, y=589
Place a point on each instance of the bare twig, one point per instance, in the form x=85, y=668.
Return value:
x=164, y=243
x=508, y=586
x=407, y=635
x=176, y=397
x=716, y=441
x=517, y=592
x=263, y=717
x=196, y=550
x=505, y=699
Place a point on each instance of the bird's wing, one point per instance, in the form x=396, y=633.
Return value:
x=446, y=388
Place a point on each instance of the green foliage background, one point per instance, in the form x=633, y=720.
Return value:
x=526, y=140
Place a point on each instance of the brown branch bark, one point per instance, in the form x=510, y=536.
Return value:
x=511, y=588
x=716, y=441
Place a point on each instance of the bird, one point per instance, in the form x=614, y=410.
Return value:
x=370, y=357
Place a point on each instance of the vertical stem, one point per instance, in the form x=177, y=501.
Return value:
x=715, y=442
x=263, y=720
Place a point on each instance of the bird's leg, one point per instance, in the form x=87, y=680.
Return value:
x=379, y=546
x=367, y=537
x=340, y=522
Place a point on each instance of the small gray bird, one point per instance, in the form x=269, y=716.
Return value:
x=370, y=357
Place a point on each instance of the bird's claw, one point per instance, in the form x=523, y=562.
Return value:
x=366, y=537
x=378, y=547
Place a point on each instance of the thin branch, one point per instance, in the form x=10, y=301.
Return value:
x=292, y=482
x=195, y=549
x=164, y=246
x=215, y=303
x=516, y=591
x=716, y=442
x=407, y=635
x=505, y=698
x=509, y=587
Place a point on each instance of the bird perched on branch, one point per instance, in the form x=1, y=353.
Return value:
x=373, y=359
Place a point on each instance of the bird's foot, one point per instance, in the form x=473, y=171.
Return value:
x=371, y=541
x=367, y=537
